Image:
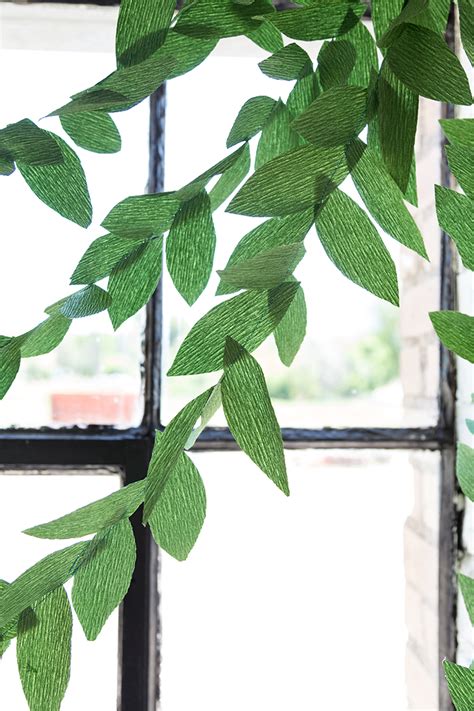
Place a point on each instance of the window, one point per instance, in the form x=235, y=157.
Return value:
x=366, y=410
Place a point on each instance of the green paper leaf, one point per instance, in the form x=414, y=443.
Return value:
x=168, y=449
x=365, y=68
x=353, y=244
x=8, y=632
x=210, y=409
x=461, y=163
x=335, y=117
x=461, y=685
x=321, y=21
x=459, y=131
x=190, y=247
x=179, y=513
x=422, y=60
x=277, y=136
x=133, y=281
x=92, y=518
x=456, y=217
x=61, y=186
x=221, y=18
x=291, y=182
x=467, y=588
x=465, y=469
x=141, y=215
x=102, y=255
x=383, y=198
x=304, y=92
x=93, y=130
x=266, y=36
x=466, y=23
x=251, y=119
x=141, y=29
x=39, y=580
x=44, y=651
x=7, y=166
x=103, y=581
x=230, y=179
x=455, y=331
x=193, y=188
x=336, y=61
x=266, y=270
x=289, y=63
x=290, y=332
x=10, y=357
x=270, y=234
x=25, y=142
x=383, y=12
x=85, y=302
x=250, y=415
x=414, y=12
x=45, y=337
x=249, y=318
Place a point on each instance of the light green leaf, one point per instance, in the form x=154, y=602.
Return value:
x=266, y=36
x=45, y=337
x=250, y=415
x=195, y=186
x=459, y=131
x=230, y=179
x=61, y=186
x=190, y=247
x=365, y=68
x=320, y=21
x=456, y=331
x=210, y=409
x=456, y=217
x=290, y=332
x=93, y=130
x=25, y=142
x=103, y=581
x=266, y=270
x=102, y=255
x=336, y=116
x=85, y=302
x=10, y=357
x=8, y=632
x=466, y=23
x=249, y=318
x=353, y=244
x=277, y=136
x=461, y=163
x=422, y=60
x=383, y=12
x=467, y=588
x=289, y=63
x=221, y=18
x=168, y=449
x=414, y=12
x=133, y=281
x=179, y=513
x=304, y=92
x=44, y=651
x=140, y=215
x=465, y=469
x=383, y=198
x=461, y=685
x=141, y=29
x=251, y=119
x=291, y=182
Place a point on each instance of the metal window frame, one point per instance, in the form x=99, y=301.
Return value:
x=131, y=450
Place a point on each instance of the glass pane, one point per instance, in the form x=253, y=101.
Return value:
x=94, y=377
x=326, y=600
x=363, y=362
x=30, y=497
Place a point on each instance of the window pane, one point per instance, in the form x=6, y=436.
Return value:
x=94, y=377
x=31, y=497
x=363, y=362
x=326, y=600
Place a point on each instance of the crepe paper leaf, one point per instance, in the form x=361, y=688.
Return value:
x=221, y=18
x=289, y=63
x=39, y=580
x=8, y=632
x=335, y=117
x=467, y=588
x=93, y=130
x=366, y=66
x=461, y=685
x=461, y=162
x=456, y=217
x=210, y=409
x=91, y=518
x=459, y=131
x=277, y=136
x=414, y=12
x=193, y=188
x=133, y=281
x=141, y=215
x=102, y=255
x=318, y=21
x=24, y=141
x=45, y=337
x=290, y=332
x=179, y=514
x=168, y=449
x=86, y=302
x=383, y=12
x=10, y=357
x=456, y=331
x=141, y=29
x=230, y=179
x=249, y=318
x=355, y=247
x=383, y=198
x=190, y=247
x=465, y=469
x=94, y=99
x=266, y=270
x=270, y=234
x=103, y=581
x=439, y=10
x=7, y=166
x=266, y=36
x=466, y=26
x=250, y=415
x=44, y=651
x=304, y=92
x=422, y=60
x=251, y=119
x=291, y=182
x=336, y=61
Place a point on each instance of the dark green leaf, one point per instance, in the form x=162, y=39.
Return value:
x=355, y=247
x=24, y=141
x=267, y=37
x=266, y=270
x=459, y=131
x=304, y=92
x=250, y=415
x=414, y=12
x=465, y=469
x=102, y=256
x=86, y=302
x=7, y=166
x=366, y=64
x=230, y=179
x=277, y=136
x=466, y=22
x=289, y=63
x=251, y=119
x=456, y=217
x=456, y=331
x=461, y=163
x=336, y=61
x=133, y=281
x=45, y=337
x=249, y=318
x=102, y=582
x=93, y=130
x=195, y=186
x=190, y=247
x=141, y=215
x=336, y=116
x=10, y=357
x=461, y=685
x=179, y=513
x=321, y=21
x=141, y=29
x=467, y=588
x=221, y=18
x=290, y=332
x=44, y=651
